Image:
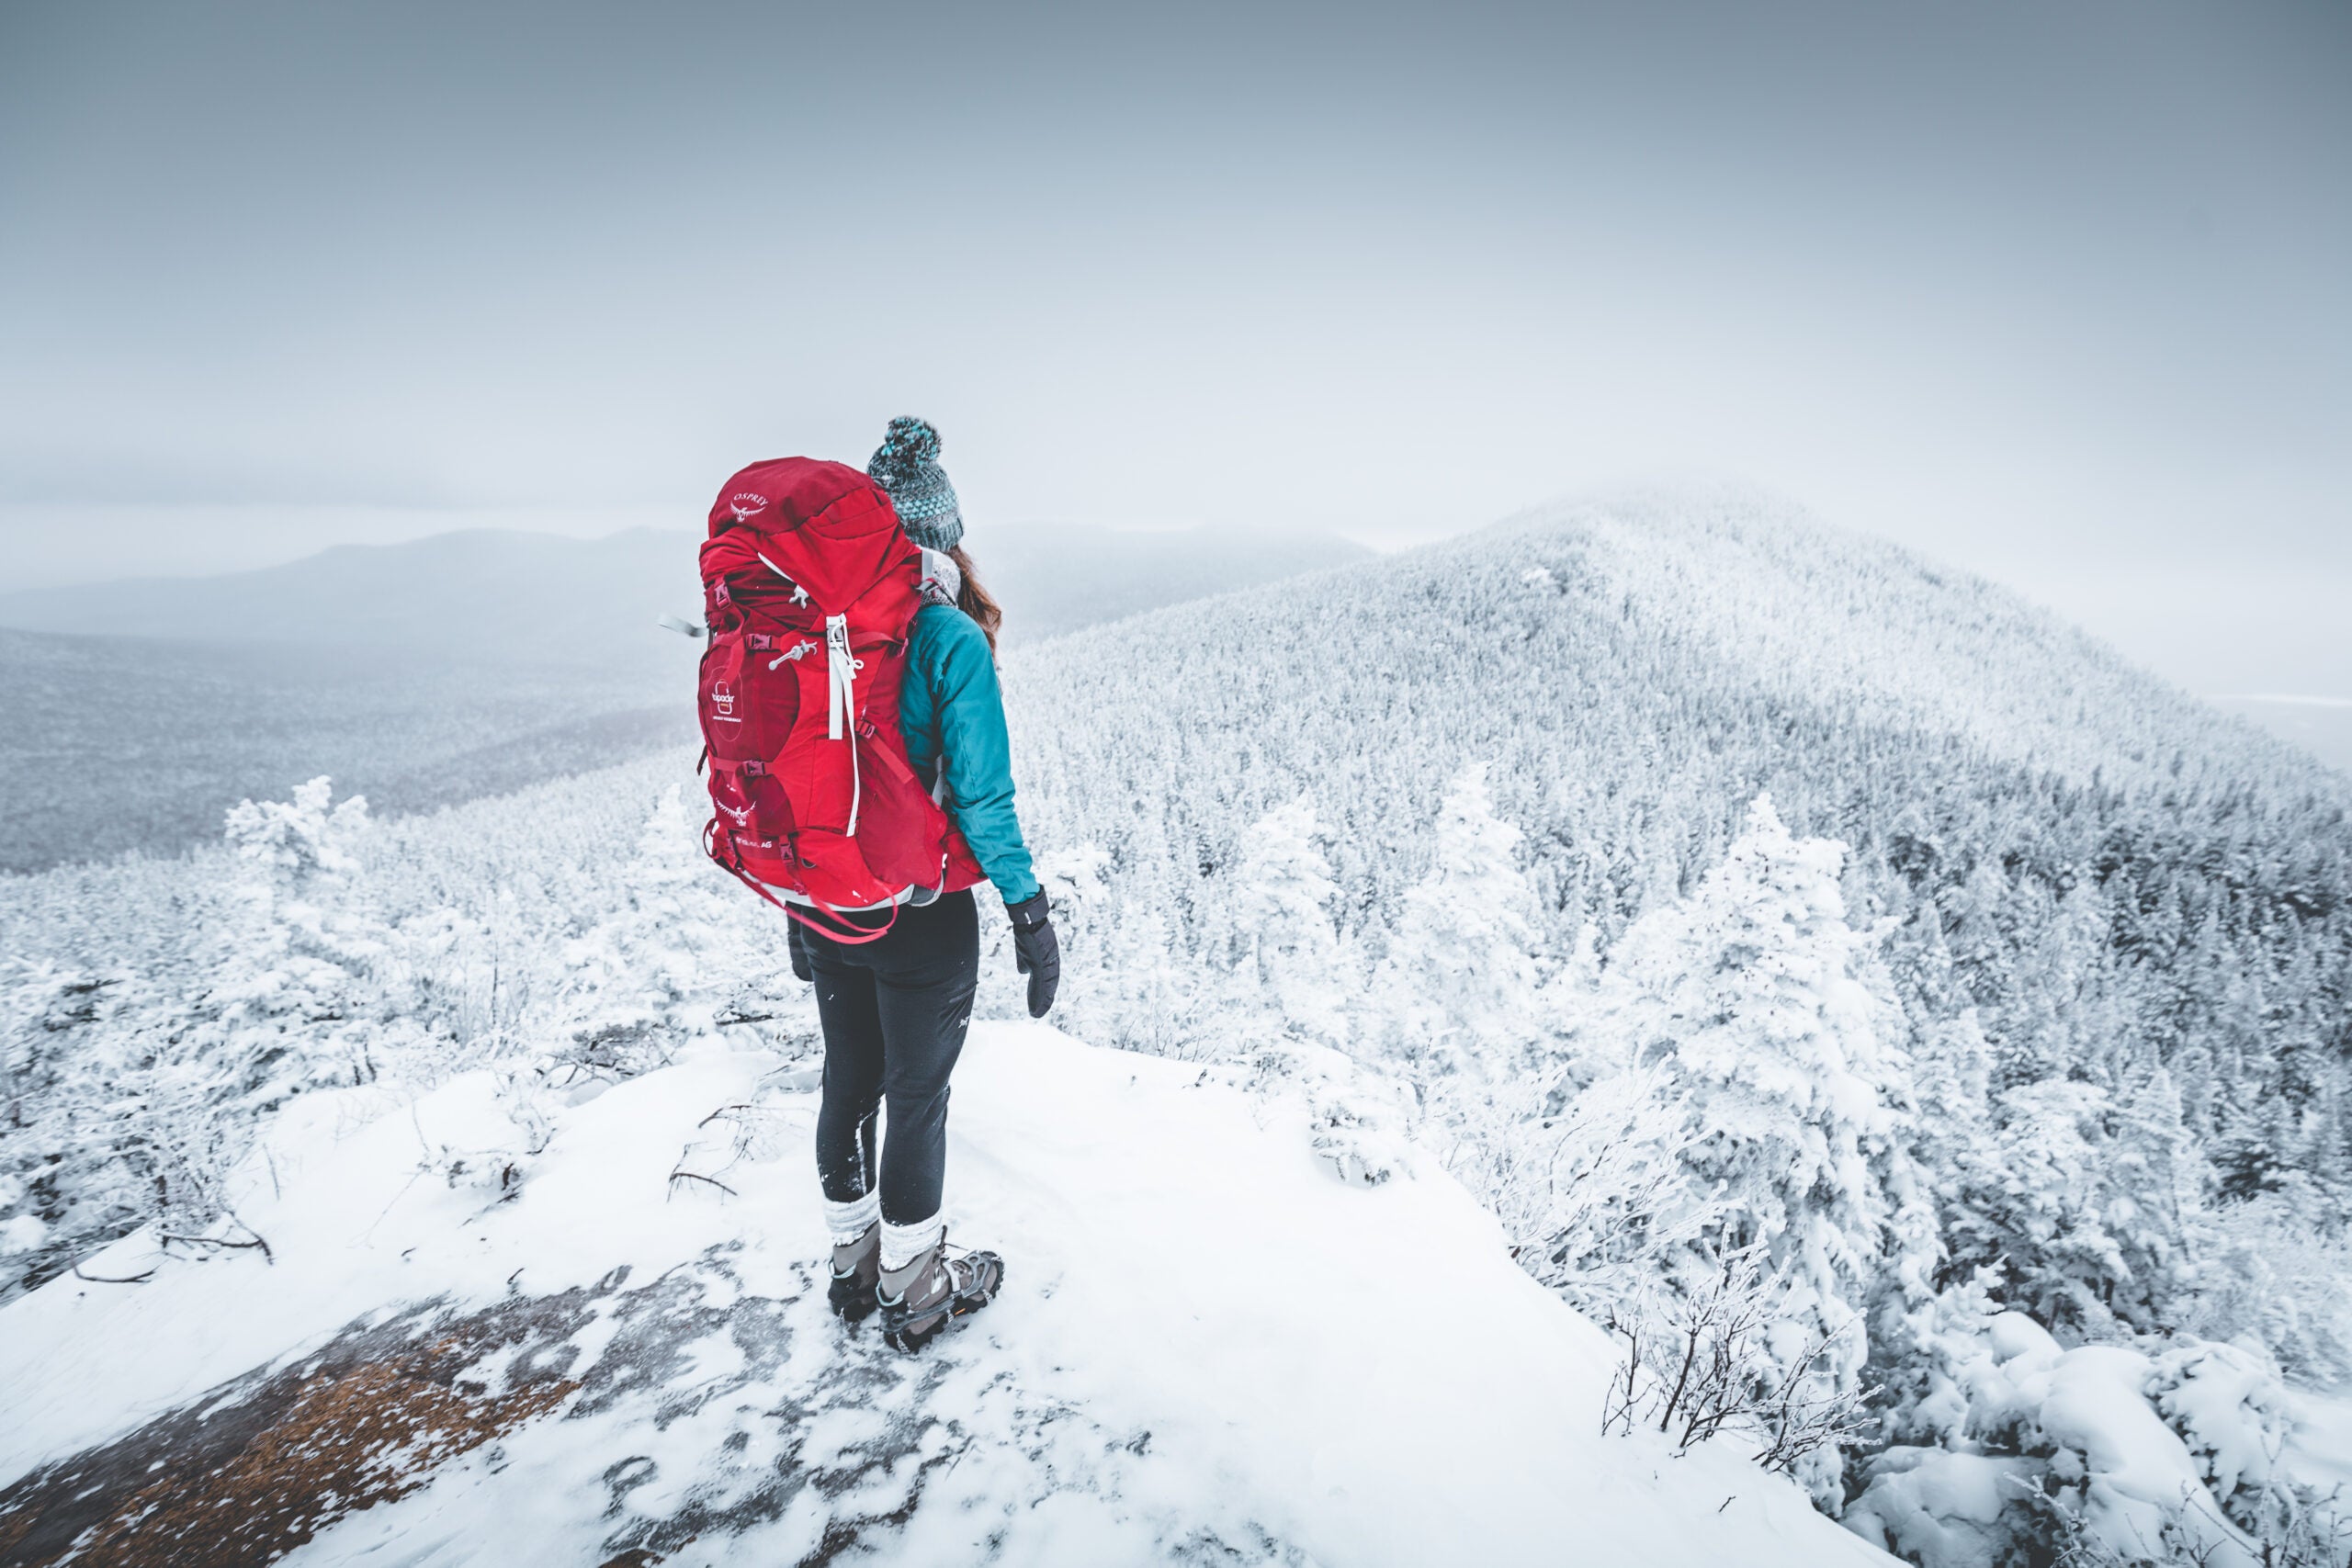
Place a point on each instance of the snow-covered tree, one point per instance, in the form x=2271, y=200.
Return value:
x=296, y=965
x=632, y=978
x=1771, y=1015
x=1287, y=957
x=1461, y=973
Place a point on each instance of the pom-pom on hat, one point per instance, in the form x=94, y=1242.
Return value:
x=907, y=466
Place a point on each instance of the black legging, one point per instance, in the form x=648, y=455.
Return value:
x=894, y=1011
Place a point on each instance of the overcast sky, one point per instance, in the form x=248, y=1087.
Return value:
x=2063, y=293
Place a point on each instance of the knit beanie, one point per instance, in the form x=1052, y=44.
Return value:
x=907, y=466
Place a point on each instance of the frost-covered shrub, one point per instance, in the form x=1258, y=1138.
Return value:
x=302, y=986
x=1360, y=1117
x=2166, y=1453
x=307, y=976
x=316, y=947
x=1726, y=1354
x=137, y=1075
x=1596, y=1197
x=631, y=982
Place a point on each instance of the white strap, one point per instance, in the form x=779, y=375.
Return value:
x=943, y=580
x=841, y=703
x=800, y=595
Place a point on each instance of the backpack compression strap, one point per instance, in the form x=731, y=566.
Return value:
x=847, y=934
x=850, y=935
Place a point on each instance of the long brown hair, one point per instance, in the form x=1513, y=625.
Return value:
x=974, y=599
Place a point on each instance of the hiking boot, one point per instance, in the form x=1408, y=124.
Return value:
x=918, y=1300
x=857, y=1268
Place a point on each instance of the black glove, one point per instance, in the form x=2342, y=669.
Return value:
x=1037, y=952
x=798, y=945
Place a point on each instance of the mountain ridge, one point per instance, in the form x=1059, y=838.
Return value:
x=431, y=671
x=552, y=597
x=1556, y=837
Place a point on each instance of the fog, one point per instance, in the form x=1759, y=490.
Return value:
x=2060, y=296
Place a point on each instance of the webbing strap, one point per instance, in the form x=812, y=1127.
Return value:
x=849, y=935
x=905, y=773
x=841, y=703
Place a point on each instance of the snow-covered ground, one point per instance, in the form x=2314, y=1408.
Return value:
x=1211, y=1346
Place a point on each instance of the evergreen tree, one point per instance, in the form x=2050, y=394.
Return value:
x=1461, y=970
x=1777, y=1025
x=633, y=974
x=2049, y=1203
x=1286, y=955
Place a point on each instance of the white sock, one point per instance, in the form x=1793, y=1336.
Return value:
x=901, y=1244
x=849, y=1220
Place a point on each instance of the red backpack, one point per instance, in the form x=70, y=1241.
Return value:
x=810, y=589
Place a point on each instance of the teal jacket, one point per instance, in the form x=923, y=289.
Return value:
x=953, y=716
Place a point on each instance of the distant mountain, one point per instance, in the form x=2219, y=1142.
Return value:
x=515, y=597
x=1055, y=579
x=546, y=599
x=135, y=743
x=2322, y=726
x=1624, y=667
x=432, y=672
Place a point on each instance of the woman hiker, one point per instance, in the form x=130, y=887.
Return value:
x=894, y=1008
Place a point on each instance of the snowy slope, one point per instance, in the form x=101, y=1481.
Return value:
x=1211, y=1348
x=1891, y=638
x=2321, y=1450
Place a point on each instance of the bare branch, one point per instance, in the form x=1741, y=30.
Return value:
x=678, y=1176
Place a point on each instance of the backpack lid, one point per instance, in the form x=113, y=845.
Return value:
x=824, y=525
x=784, y=494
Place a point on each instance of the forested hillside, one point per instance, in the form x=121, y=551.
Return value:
x=117, y=744
x=1723, y=884
x=2113, y=877
x=1827, y=969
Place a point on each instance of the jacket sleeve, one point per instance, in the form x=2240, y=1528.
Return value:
x=976, y=753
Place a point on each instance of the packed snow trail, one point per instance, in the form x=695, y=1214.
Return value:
x=1209, y=1347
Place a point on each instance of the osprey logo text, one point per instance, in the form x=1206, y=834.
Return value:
x=746, y=502
x=722, y=703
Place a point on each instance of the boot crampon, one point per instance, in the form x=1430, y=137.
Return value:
x=920, y=1300
x=857, y=1268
